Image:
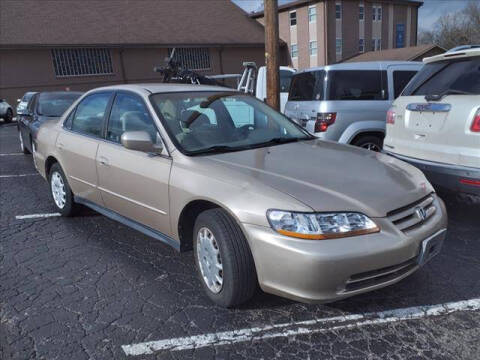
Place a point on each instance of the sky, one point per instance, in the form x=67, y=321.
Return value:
x=428, y=14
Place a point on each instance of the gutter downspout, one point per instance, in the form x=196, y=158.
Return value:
x=122, y=66
x=325, y=28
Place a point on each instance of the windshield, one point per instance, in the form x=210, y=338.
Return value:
x=55, y=104
x=201, y=122
x=443, y=77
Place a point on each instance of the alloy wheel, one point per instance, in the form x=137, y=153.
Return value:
x=209, y=260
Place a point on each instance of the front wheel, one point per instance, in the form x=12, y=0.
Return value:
x=223, y=258
x=61, y=193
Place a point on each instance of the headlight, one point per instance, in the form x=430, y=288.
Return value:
x=318, y=226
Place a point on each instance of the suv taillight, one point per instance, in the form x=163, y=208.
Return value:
x=476, y=122
x=324, y=120
x=390, y=116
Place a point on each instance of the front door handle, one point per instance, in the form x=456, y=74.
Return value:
x=103, y=160
x=59, y=146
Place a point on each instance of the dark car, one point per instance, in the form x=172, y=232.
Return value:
x=41, y=107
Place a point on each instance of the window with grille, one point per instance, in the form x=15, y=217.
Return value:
x=82, y=62
x=361, y=12
x=192, y=58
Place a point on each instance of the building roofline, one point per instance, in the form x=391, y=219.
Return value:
x=127, y=45
x=301, y=3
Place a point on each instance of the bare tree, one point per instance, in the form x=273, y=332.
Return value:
x=459, y=28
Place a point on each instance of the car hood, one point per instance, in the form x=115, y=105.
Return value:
x=328, y=176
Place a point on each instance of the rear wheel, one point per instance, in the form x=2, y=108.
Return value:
x=223, y=258
x=9, y=116
x=61, y=194
x=22, y=145
x=369, y=142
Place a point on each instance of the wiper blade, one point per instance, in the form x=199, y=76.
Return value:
x=437, y=97
x=215, y=149
x=281, y=140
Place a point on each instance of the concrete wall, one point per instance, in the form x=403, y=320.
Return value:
x=32, y=69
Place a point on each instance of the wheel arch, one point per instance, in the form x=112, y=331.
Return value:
x=188, y=216
x=362, y=128
x=49, y=163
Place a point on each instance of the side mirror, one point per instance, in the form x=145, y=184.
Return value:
x=140, y=141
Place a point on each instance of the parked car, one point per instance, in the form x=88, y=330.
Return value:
x=42, y=106
x=23, y=102
x=286, y=73
x=6, y=111
x=435, y=123
x=171, y=161
x=348, y=102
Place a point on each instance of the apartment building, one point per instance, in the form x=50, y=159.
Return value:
x=321, y=32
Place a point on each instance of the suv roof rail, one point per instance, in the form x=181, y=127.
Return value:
x=463, y=47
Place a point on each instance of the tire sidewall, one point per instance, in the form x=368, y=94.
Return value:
x=224, y=297
x=68, y=209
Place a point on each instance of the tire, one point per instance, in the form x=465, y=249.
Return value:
x=69, y=207
x=22, y=145
x=9, y=116
x=369, y=142
x=239, y=278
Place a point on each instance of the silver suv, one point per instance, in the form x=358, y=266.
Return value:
x=348, y=102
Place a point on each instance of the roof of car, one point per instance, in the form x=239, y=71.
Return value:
x=164, y=88
x=454, y=55
x=364, y=65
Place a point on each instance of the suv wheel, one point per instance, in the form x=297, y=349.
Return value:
x=369, y=142
x=61, y=193
x=9, y=116
x=223, y=258
x=22, y=145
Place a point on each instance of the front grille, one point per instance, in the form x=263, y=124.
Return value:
x=414, y=215
x=379, y=276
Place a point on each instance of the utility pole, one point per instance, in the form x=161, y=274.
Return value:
x=271, y=53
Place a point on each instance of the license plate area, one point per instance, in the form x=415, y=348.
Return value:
x=430, y=247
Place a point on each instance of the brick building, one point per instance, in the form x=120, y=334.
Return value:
x=320, y=32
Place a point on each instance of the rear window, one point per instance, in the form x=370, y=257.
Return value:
x=307, y=86
x=55, y=104
x=357, y=85
x=400, y=80
x=459, y=76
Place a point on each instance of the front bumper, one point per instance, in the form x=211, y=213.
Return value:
x=329, y=270
x=452, y=177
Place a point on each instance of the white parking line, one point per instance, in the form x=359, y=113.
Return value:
x=11, y=154
x=35, y=216
x=300, y=328
x=18, y=175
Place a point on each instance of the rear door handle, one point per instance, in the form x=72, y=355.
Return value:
x=103, y=160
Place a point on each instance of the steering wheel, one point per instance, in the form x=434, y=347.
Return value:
x=244, y=129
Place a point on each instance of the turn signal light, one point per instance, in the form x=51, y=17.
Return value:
x=390, y=116
x=476, y=123
x=324, y=120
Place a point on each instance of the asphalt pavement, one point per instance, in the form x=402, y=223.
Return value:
x=90, y=288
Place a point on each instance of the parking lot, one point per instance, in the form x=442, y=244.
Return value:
x=90, y=288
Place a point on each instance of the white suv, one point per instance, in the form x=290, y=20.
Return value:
x=435, y=123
